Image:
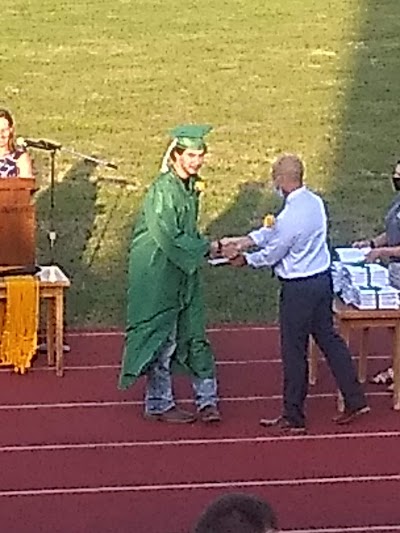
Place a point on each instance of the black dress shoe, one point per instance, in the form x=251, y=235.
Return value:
x=349, y=415
x=283, y=426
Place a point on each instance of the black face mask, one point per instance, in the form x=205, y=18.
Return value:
x=396, y=183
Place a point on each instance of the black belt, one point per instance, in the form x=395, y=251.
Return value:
x=305, y=278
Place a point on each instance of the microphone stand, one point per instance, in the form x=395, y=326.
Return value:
x=106, y=164
x=53, y=147
x=52, y=234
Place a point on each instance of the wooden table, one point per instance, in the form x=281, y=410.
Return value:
x=348, y=318
x=52, y=284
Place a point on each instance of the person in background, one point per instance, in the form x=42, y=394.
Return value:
x=237, y=513
x=296, y=248
x=386, y=247
x=166, y=317
x=14, y=161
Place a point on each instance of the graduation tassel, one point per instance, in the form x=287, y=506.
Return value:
x=164, y=164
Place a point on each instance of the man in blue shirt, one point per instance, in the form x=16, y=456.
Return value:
x=296, y=248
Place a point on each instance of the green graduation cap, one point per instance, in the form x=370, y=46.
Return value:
x=191, y=136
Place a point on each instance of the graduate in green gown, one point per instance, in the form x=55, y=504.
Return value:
x=166, y=317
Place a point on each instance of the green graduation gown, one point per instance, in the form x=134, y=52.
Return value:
x=164, y=282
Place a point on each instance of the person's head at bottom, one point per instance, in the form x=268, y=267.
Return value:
x=237, y=513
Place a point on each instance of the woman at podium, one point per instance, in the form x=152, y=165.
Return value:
x=14, y=161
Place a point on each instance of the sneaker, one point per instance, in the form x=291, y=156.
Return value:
x=349, y=415
x=176, y=415
x=42, y=348
x=283, y=426
x=209, y=414
x=385, y=377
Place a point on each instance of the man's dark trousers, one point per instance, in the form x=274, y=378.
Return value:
x=306, y=309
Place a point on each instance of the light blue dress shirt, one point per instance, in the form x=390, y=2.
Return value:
x=296, y=246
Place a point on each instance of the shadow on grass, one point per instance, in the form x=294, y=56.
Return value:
x=241, y=294
x=93, y=217
x=73, y=220
x=360, y=190
x=369, y=134
x=108, y=259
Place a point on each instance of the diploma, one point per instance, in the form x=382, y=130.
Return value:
x=218, y=261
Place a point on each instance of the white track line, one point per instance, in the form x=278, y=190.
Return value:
x=73, y=334
x=227, y=362
x=118, y=366
x=354, y=529
x=115, y=403
x=228, y=329
x=194, y=442
x=201, y=486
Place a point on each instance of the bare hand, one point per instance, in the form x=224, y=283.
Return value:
x=373, y=255
x=230, y=250
x=361, y=244
x=215, y=249
x=231, y=240
x=241, y=244
x=227, y=240
x=238, y=261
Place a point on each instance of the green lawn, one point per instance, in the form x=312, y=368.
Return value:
x=110, y=78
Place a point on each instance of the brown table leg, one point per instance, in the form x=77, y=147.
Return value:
x=362, y=361
x=50, y=331
x=396, y=368
x=344, y=328
x=313, y=362
x=59, y=314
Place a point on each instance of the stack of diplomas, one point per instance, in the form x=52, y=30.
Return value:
x=394, y=274
x=371, y=297
x=367, y=275
x=337, y=276
x=364, y=285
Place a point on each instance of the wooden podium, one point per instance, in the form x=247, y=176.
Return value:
x=17, y=223
x=18, y=252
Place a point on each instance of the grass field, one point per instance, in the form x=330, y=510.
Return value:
x=110, y=78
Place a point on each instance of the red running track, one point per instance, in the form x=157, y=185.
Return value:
x=76, y=455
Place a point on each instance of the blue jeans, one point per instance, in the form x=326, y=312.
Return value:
x=159, y=396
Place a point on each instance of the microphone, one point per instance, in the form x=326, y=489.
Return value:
x=41, y=144
x=51, y=146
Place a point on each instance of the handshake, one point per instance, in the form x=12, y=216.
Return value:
x=231, y=248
